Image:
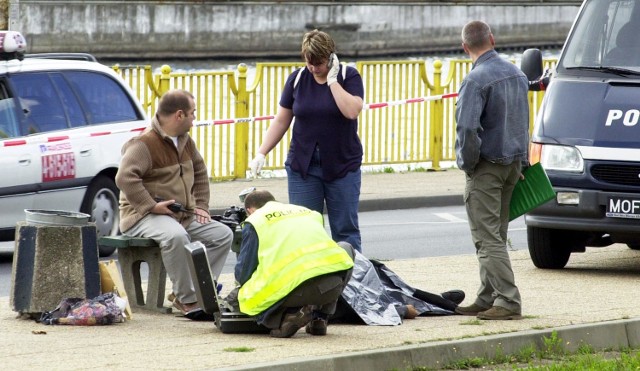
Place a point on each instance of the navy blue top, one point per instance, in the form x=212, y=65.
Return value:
x=247, y=261
x=319, y=122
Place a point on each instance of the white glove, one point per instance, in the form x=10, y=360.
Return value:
x=256, y=164
x=332, y=76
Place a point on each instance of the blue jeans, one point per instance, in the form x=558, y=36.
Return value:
x=341, y=196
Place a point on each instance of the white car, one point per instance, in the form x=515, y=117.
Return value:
x=62, y=125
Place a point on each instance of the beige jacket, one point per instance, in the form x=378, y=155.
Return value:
x=152, y=166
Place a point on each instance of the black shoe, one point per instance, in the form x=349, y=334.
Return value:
x=293, y=322
x=200, y=315
x=456, y=296
x=317, y=327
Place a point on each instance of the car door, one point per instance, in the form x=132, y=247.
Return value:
x=79, y=104
x=111, y=115
x=19, y=160
x=108, y=108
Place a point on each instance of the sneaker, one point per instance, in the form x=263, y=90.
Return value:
x=293, y=322
x=499, y=313
x=471, y=310
x=317, y=327
x=456, y=296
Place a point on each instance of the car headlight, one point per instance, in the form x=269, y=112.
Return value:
x=563, y=158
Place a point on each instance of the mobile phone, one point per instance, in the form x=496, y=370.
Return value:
x=330, y=64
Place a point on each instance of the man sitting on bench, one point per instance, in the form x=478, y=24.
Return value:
x=164, y=195
x=291, y=273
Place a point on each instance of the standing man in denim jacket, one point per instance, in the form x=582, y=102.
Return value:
x=492, y=116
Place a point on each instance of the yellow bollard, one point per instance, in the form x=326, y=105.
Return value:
x=437, y=124
x=242, y=128
x=165, y=76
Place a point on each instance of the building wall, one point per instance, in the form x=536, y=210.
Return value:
x=216, y=29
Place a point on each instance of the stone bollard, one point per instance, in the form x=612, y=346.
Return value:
x=53, y=261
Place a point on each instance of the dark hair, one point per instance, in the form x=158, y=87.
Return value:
x=317, y=46
x=257, y=199
x=174, y=101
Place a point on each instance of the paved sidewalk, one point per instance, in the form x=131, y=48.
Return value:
x=591, y=301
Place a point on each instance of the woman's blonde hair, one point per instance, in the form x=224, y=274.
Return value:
x=317, y=46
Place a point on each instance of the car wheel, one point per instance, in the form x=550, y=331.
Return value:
x=101, y=202
x=549, y=248
x=634, y=246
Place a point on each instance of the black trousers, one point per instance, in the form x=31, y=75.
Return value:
x=322, y=292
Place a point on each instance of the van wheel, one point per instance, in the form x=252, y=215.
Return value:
x=549, y=248
x=101, y=202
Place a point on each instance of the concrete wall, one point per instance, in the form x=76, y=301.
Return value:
x=187, y=29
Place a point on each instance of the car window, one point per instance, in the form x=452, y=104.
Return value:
x=40, y=103
x=103, y=98
x=63, y=99
x=608, y=44
x=70, y=102
x=8, y=120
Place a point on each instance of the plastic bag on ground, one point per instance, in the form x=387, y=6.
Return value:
x=105, y=309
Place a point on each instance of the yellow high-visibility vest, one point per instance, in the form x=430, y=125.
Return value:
x=294, y=247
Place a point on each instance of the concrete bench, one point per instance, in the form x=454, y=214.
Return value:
x=132, y=251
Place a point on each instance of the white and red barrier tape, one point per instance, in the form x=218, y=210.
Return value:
x=411, y=100
x=19, y=142
x=232, y=121
x=366, y=107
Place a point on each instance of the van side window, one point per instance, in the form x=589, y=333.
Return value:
x=43, y=111
x=103, y=98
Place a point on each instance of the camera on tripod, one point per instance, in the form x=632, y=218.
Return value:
x=238, y=214
x=231, y=217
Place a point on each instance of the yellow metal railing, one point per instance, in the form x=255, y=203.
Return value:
x=398, y=134
x=393, y=134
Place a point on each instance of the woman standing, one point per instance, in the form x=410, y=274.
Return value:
x=325, y=154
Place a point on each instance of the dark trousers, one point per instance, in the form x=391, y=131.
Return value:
x=322, y=292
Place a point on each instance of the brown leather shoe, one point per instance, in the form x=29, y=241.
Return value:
x=499, y=313
x=184, y=308
x=471, y=310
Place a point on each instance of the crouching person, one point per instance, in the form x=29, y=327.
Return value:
x=291, y=273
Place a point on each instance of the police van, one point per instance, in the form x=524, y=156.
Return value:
x=587, y=136
x=63, y=121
